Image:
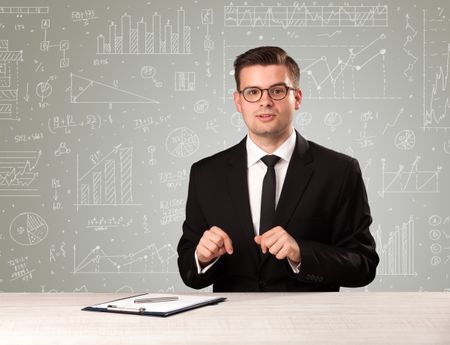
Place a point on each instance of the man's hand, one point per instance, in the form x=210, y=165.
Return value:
x=279, y=243
x=214, y=243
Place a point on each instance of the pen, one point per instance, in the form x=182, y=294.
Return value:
x=156, y=299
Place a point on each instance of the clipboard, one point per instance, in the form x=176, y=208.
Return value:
x=128, y=305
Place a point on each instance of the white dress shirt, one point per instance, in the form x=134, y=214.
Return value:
x=256, y=170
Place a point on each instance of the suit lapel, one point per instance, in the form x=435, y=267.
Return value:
x=238, y=188
x=297, y=178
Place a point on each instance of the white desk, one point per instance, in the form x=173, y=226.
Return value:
x=296, y=318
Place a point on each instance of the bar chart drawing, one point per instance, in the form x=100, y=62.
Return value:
x=162, y=39
x=397, y=253
x=184, y=81
x=9, y=76
x=109, y=181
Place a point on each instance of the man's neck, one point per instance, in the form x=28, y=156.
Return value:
x=270, y=143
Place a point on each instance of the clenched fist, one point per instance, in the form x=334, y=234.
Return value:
x=214, y=243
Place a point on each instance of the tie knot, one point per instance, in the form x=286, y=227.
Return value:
x=270, y=160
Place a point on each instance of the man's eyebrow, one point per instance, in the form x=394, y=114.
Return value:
x=259, y=87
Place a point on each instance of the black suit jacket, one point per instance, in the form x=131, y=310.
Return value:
x=323, y=205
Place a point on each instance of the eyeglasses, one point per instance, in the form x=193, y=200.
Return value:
x=276, y=92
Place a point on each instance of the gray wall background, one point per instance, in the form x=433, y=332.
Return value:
x=105, y=105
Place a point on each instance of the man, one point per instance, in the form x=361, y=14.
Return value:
x=275, y=212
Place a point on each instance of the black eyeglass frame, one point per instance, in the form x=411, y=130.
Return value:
x=287, y=88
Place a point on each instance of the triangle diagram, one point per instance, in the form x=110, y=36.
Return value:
x=84, y=90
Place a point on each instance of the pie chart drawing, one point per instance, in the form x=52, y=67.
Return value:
x=405, y=140
x=28, y=229
x=182, y=142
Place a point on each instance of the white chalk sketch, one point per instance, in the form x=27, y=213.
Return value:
x=18, y=173
x=9, y=78
x=149, y=259
x=237, y=121
x=413, y=180
x=303, y=119
x=85, y=90
x=302, y=15
x=23, y=10
x=439, y=234
x=149, y=72
x=407, y=48
x=391, y=125
x=208, y=44
x=28, y=229
x=182, y=142
x=63, y=45
x=109, y=181
x=436, y=63
x=184, y=81
x=136, y=39
x=405, y=140
x=44, y=90
x=333, y=120
x=201, y=106
x=330, y=71
x=397, y=253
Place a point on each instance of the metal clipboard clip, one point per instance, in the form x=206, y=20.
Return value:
x=112, y=307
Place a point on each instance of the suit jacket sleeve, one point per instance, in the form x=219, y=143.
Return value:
x=350, y=258
x=193, y=228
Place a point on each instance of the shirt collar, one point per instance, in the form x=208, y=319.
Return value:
x=255, y=153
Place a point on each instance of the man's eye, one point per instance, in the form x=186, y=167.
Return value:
x=252, y=92
x=277, y=91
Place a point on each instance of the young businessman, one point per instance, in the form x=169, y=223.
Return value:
x=275, y=212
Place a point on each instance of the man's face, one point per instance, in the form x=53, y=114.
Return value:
x=267, y=118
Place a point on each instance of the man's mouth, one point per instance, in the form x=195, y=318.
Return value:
x=265, y=117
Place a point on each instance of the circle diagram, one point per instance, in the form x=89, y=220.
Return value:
x=405, y=140
x=28, y=229
x=304, y=119
x=182, y=142
x=44, y=90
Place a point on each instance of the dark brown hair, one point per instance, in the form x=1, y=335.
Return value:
x=266, y=56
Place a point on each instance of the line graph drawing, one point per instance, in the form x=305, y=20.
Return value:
x=85, y=90
x=391, y=125
x=21, y=10
x=410, y=37
x=323, y=74
x=410, y=181
x=397, y=253
x=436, y=62
x=136, y=41
x=18, y=173
x=302, y=15
x=109, y=181
x=338, y=72
x=149, y=259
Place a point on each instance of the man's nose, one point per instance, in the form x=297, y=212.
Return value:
x=265, y=100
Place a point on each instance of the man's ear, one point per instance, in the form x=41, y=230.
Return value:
x=237, y=101
x=298, y=98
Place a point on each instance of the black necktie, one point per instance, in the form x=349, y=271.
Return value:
x=267, y=220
